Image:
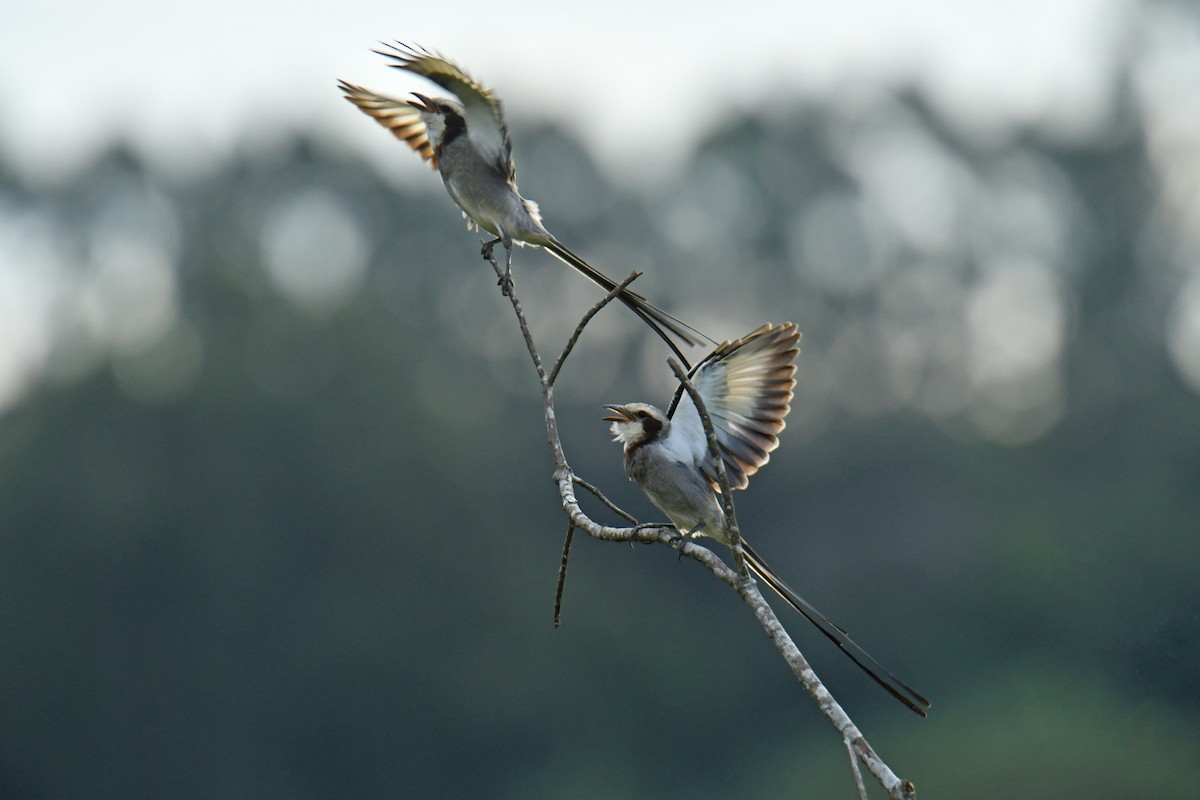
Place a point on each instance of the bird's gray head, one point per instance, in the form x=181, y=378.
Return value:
x=636, y=424
x=444, y=119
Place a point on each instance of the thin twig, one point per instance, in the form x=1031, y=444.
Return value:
x=600, y=496
x=562, y=574
x=858, y=779
x=516, y=304
x=593, y=311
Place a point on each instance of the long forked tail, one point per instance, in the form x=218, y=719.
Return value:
x=659, y=321
x=894, y=686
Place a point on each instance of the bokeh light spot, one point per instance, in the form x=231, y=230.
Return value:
x=316, y=252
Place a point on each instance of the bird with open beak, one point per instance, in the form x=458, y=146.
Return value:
x=747, y=387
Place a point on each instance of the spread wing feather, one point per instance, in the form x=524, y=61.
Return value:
x=397, y=116
x=485, y=116
x=747, y=388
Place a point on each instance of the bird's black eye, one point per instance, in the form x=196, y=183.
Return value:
x=641, y=415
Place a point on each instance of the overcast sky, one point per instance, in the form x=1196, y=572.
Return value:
x=634, y=78
x=189, y=83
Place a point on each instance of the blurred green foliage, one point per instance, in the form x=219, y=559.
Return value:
x=302, y=540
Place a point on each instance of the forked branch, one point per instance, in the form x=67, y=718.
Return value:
x=739, y=580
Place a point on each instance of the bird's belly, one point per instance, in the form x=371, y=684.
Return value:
x=490, y=202
x=688, y=503
x=475, y=204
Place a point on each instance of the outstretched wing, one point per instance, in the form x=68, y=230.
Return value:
x=397, y=116
x=485, y=117
x=747, y=388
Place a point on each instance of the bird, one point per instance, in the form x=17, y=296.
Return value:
x=467, y=141
x=746, y=386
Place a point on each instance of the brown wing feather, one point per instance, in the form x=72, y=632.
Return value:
x=397, y=116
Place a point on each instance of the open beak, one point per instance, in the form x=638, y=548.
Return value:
x=422, y=103
x=619, y=414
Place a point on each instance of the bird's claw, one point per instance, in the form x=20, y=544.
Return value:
x=679, y=542
x=681, y=539
x=506, y=284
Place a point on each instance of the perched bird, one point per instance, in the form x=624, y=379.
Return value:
x=747, y=387
x=466, y=140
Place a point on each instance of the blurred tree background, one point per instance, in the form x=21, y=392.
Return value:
x=276, y=517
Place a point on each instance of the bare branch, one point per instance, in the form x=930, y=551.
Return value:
x=600, y=496
x=858, y=780
x=562, y=575
x=566, y=481
x=516, y=304
x=593, y=311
